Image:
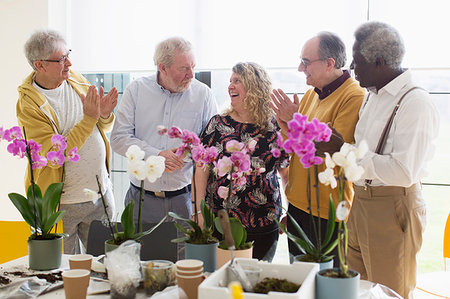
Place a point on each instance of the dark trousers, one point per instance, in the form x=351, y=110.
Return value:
x=305, y=222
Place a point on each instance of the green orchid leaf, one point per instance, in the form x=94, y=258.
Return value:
x=51, y=221
x=179, y=240
x=181, y=228
x=127, y=221
x=191, y=223
x=331, y=222
x=138, y=236
x=21, y=203
x=330, y=247
x=50, y=203
x=300, y=231
x=307, y=247
x=208, y=215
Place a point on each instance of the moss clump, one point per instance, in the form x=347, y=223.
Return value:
x=275, y=285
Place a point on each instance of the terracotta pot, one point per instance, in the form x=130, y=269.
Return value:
x=224, y=255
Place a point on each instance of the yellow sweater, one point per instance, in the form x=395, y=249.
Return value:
x=341, y=110
x=40, y=122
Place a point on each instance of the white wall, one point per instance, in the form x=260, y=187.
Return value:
x=18, y=19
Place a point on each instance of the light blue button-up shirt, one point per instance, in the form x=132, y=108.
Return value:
x=145, y=105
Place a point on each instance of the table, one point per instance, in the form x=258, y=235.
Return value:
x=367, y=289
x=435, y=283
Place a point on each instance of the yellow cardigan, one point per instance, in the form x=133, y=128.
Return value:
x=341, y=109
x=38, y=118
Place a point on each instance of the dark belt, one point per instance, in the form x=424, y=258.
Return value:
x=166, y=194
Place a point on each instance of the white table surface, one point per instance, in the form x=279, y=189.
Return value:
x=367, y=290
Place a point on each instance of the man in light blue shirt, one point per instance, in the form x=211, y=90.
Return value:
x=171, y=97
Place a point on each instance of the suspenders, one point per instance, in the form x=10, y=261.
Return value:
x=384, y=135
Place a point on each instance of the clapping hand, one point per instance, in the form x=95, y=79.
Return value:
x=108, y=102
x=284, y=108
x=91, y=103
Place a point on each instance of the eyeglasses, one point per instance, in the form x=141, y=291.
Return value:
x=307, y=62
x=62, y=60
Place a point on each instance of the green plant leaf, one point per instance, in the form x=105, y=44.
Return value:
x=127, y=221
x=304, y=246
x=208, y=215
x=49, y=205
x=300, y=231
x=138, y=236
x=331, y=222
x=330, y=247
x=21, y=203
x=51, y=221
x=191, y=223
x=179, y=240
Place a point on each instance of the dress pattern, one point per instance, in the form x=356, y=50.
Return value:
x=257, y=203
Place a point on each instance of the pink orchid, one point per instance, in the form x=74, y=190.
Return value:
x=223, y=192
x=12, y=134
x=72, y=155
x=59, y=142
x=241, y=161
x=56, y=158
x=34, y=146
x=211, y=154
x=39, y=161
x=17, y=147
x=182, y=151
x=174, y=132
x=276, y=152
x=224, y=166
x=190, y=138
x=161, y=130
x=234, y=146
x=309, y=160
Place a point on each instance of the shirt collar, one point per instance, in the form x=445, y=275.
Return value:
x=330, y=88
x=398, y=83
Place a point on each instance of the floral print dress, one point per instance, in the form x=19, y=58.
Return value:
x=257, y=203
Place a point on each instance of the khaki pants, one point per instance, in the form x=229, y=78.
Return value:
x=385, y=234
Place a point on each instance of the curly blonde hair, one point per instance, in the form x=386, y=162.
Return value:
x=258, y=85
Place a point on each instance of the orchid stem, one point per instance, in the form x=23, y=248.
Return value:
x=194, y=190
x=104, y=207
x=30, y=161
x=141, y=202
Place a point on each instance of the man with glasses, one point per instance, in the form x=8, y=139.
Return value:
x=334, y=99
x=56, y=100
x=170, y=97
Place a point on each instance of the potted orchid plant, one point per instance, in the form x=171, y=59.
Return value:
x=41, y=212
x=301, y=137
x=349, y=171
x=151, y=169
x=199, y=240
x=236, y=168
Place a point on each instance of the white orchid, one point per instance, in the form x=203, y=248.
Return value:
x=155, y=167
x=134, y=153
x=327, y=178
x=151, y=169
x=328, y=161
x=342, y=210
x=137, y=169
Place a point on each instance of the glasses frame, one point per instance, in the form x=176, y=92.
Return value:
x=307, y=62
x=61, y=61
